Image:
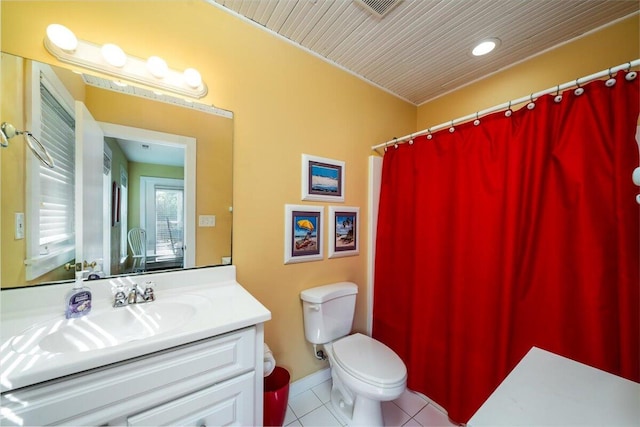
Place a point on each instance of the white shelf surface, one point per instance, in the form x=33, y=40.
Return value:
x=546, y=389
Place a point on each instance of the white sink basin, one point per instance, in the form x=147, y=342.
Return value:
x=108, y=328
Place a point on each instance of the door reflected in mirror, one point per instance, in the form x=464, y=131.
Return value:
x=134, y=164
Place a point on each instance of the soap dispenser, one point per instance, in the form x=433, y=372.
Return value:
x=78, y=301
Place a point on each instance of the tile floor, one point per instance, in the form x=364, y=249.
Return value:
x=313, y=408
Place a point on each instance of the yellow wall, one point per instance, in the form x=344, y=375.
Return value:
x=286, y=102
x=13, y=171
x=595, y=52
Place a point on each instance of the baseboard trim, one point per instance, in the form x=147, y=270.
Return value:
x=310, y=381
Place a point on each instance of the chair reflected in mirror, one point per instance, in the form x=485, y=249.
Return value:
x=138, y=244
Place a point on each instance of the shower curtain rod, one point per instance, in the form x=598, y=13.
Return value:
x=528, y=98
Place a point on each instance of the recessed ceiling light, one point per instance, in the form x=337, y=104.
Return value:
x=485, y=47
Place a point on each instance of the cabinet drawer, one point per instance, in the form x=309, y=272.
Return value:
x=227, y=403
x=103, y=394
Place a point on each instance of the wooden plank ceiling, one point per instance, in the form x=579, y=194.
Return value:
x=420, y=49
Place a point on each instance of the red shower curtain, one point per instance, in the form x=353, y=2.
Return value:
x=522, y=231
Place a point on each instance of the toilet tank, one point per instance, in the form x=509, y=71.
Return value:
x=328, y=311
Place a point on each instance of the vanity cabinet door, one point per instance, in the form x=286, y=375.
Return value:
x=228, y=403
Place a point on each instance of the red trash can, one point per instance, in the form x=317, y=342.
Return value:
x=276, y=397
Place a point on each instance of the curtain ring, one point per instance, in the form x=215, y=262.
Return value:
x=611, y=81
x=630, y=74
x=395, y=144
x=509, y=111
x=452, y=129
x=579, y=91
x=429, y=136
x=531, y=105
x=476, y=122
x=411, y=139
x=558, y=97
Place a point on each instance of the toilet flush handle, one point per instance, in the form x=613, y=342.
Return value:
x=314, y=307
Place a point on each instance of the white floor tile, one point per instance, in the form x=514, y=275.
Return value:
x=289, y=416
x=410, y=402
x=393, y=415
x=319, y=417
x=430, y=416
x=304, y=403
x=323, y=391
x=313, y=408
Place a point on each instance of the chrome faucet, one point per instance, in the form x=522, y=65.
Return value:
x=119, y=299
x=139, y=296
x=134, y=293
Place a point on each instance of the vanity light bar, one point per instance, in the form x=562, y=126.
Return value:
x=137, y=70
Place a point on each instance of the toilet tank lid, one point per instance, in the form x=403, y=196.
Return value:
x=325, y=293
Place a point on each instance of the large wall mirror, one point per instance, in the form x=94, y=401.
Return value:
x=142, y=182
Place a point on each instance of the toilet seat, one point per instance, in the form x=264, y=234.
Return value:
x=369, y=361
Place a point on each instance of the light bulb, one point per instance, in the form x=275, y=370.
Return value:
x=192, y=78
x=114, y=55
x=62, y=37
x=157, y=67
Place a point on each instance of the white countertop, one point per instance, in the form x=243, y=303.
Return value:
x=546, y=389
x=222, y=305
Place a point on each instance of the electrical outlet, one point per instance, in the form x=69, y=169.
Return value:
x=207, y=221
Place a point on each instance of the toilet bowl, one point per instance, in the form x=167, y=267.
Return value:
x=364, y=371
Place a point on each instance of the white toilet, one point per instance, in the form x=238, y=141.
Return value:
x=364, y=371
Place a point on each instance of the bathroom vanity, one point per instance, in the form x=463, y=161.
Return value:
x=194, y=356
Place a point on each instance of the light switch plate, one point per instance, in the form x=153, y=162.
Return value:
x=19, y=222
x=207, y=221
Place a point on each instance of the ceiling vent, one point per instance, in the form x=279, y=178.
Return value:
x=378, y=8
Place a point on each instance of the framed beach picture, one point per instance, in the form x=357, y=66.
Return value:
x=322, y=179
x=303, y=230
x=344, y=231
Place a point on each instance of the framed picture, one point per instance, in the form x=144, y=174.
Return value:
x=344, y=231
x=303, y=231
x=322, y=179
